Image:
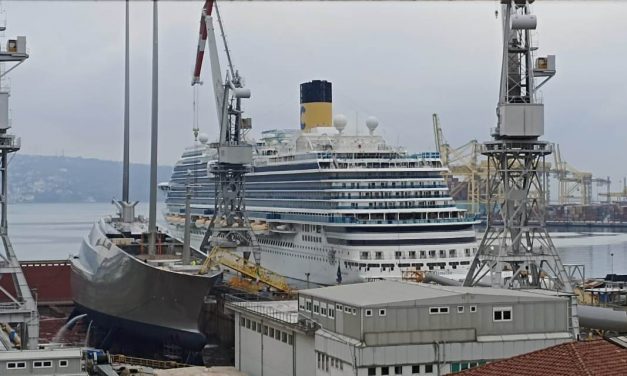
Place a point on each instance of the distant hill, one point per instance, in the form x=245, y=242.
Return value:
x=35, y=178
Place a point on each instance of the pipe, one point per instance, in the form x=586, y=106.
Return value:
x=602, y=318
x=438, y=279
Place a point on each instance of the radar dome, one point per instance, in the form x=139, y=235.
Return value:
x=203, y=138
x=339, y=122
x=372, y=123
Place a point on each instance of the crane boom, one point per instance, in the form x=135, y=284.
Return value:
x=207, y=37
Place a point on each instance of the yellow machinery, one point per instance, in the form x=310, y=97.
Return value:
x=223, y=256
x=465, y=163
x=574, y=186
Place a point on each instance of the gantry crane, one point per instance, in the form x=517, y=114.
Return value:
x=229, y=223
x=516, y=250
x=464, y=162
x=575, y=186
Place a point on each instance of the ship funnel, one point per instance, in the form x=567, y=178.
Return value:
x=316, y=105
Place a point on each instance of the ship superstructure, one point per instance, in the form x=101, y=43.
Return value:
x=330, y=207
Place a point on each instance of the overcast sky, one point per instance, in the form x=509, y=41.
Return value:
x=397, y=61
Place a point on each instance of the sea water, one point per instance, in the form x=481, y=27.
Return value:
x=54, y=232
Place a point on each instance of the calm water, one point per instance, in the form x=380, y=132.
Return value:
x=54, y=231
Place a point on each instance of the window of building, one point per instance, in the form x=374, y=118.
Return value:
x=331, y=312
x=338, y=307
x=242, y=321
x=290, y=339
x=301, y=302
x=473, y=308
x=382, y=312
x=502, y=313
x=354, y=311
x=258, y=327
x=247, y=324
x=460, y=309
x=277, y=335
x=17, y=365
x=63, y=363
x=372, y=371
x=415, y=369
x=284, y=337
x=398, y=370
x=385, y=370
x=368, y=312
x=438, y=310
x=308, y=306
x=316, y=307
x=265, y=330
x=271, y=332
x=254, y=326
x=428, y=368
x=347, y=309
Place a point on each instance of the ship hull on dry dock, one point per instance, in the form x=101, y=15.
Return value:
x=121, y=291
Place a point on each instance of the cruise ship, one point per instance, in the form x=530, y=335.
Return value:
x=329, y=207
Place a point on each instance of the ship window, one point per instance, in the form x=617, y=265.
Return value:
x=271, y=332
x=347, y=309
x=368, y=312
x=354, y=311
x=63, y=363
x=338, y=307
x=242, y=321
x=284, y=337
x=254, y=326
x=331, y=312
x=265, y=330
x=473, y=308
x=290, y=339
x=247, y=324
x=382, y=312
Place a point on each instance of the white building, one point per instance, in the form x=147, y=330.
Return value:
x=394, y=328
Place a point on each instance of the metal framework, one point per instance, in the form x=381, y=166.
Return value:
x=229, y=223
x=516, y=250
x=20, y=307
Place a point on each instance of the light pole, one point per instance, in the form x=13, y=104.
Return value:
x=612, y=261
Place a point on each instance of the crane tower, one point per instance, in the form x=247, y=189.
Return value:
x=516, y=250
x=229, y=222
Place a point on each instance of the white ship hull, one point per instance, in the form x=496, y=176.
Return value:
x=316, y=267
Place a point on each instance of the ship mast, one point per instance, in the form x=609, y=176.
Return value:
x=152, y=211
x=125, y=207
x=229, y=221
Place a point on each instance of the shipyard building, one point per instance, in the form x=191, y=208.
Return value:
x=394, y=328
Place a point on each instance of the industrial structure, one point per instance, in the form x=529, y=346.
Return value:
x=393, y=328
x=229, y=225
x=19, y=308
x=516, y=250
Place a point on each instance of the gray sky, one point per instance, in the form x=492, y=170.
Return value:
x=397, y=61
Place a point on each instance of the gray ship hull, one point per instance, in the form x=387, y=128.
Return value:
x=121, y=290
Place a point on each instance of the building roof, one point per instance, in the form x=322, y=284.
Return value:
x=280, y=310
x=388, y=292
x=596, y=357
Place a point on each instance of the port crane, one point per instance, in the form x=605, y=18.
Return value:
x=229, y=228
x=516, y=251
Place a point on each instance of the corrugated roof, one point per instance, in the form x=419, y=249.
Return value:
x=387, y=292
x=596, y=357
